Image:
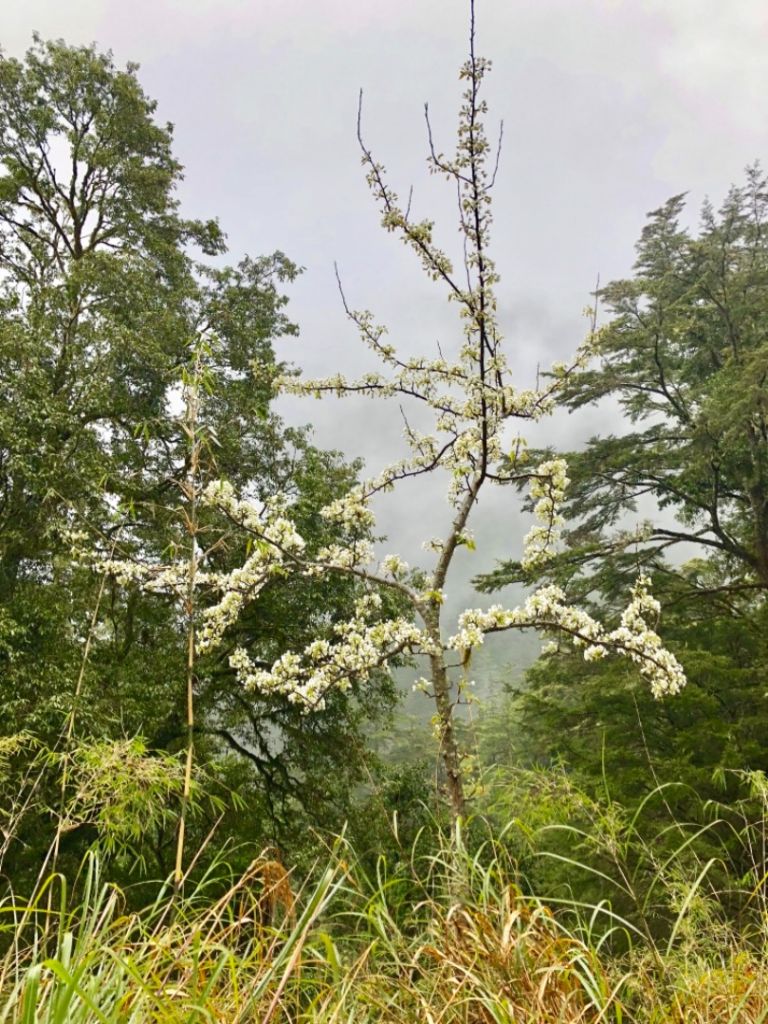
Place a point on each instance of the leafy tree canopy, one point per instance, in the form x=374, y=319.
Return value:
x=684, y=354
x=105, y=287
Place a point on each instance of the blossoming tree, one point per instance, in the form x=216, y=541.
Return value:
x=476, y=413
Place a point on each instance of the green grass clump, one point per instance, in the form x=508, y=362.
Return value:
x=345, y=947
x=444, y=933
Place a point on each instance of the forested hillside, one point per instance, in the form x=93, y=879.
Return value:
x=214, y=803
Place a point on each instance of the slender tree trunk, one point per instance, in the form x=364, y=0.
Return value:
x=449, y=747
x=441, y=688
x=190, y=487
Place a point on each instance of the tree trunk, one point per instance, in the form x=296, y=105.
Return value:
x=449, y=748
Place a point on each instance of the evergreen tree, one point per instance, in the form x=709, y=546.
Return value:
x=684, y=354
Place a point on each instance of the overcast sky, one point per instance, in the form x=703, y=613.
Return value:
x=609, y=107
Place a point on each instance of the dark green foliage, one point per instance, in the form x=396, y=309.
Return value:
x=103, y=291
x=684, y=353
x=685, y=356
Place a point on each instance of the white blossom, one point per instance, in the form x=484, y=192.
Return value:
x=394, y=566
x=548, y=487
x=359, y=647
x=546, y=609
x=350, y=511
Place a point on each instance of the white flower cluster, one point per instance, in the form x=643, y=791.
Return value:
x=276, y=539
x=350, y=511
x=394, y=566
x=546, y=609
x=471, y=397
x=266, y=520
x=359, y=646
x=342, y=556
x=472, y=400
x=435, y=544
x=644, y=646
x=240, y=587
x=152, y=579
x=548, y=487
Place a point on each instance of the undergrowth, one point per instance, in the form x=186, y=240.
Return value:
x=448, y=932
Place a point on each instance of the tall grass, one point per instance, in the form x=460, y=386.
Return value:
x=447, y=934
